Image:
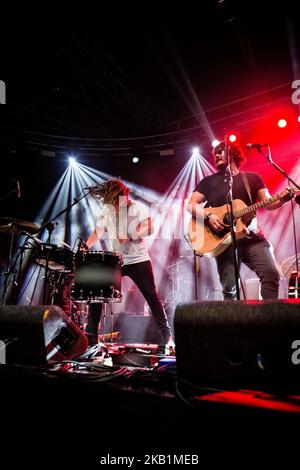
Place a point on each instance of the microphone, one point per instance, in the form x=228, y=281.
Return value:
x=96, y=191
x=90, y=188
x=256, y=146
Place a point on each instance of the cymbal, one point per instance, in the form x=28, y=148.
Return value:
x=10, y=224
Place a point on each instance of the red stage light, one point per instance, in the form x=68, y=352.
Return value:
x=281, y=123
x=232, y=138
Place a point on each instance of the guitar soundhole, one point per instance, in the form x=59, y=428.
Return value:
x=220, y=234
x=226, y=219
x=226, y=230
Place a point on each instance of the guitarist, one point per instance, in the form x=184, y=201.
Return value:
x=254, y=250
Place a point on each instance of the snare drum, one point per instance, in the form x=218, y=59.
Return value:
x=59, y=258
x=97, y=277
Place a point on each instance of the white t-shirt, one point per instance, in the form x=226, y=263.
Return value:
x=135, y=250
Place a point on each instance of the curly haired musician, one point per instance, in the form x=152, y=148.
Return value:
x=254, y=250
x=127, y=222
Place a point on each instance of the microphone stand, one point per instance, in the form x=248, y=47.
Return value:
x=10, y=193
x=49, y=225
x=229, y=200
x=9, y=268
x=269, y=158
x=290, y=180
x=14, y=270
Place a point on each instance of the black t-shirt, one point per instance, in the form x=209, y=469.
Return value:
x=215, y=188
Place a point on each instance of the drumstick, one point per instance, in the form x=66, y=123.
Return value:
x=65, y=244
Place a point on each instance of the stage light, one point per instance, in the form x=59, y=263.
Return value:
x=282, y=123
x=215, y=143
x=232, y=138
x=186, y=200
x=72, y=161
x=135, y=159
x=195, y=152
x=298, y=118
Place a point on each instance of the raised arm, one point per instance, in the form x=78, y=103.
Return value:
x=264, y=194
x=94, y=237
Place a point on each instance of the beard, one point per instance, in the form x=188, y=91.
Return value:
x=221, y=165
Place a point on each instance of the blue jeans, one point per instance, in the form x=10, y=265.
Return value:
x=256, y=253
x=142, y=275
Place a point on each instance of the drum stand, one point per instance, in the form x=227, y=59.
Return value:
x=106, y=309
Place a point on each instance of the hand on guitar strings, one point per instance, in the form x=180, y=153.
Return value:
x=216, y=223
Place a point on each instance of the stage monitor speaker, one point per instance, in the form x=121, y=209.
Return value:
x=238, y=341
x=38, y=334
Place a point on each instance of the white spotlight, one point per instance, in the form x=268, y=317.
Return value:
x=135, y=159
x=195, y=151
x=72, y=161
x=215, y=143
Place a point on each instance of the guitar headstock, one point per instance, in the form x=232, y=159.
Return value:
x=297, y=197
x=292, y=192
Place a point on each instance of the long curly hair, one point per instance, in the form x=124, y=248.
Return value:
x=109, y=191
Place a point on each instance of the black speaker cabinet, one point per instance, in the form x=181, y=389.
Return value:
x=37, y=335
x=238, y=341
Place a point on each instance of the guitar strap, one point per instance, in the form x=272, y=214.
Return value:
x=253, y=225
x=246, y=184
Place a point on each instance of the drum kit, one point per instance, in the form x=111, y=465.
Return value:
x=180, y=290
x=290, y=275
x=95, y=275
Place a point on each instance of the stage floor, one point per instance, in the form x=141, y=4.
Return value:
x=140, y=406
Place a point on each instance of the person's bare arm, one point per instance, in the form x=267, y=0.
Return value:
x=94, y=237
x=264, y=194
x=145, y=228
x=194, y=208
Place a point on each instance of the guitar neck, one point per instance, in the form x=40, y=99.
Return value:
x=266, y=202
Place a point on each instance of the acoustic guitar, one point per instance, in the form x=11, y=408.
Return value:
x=208, y=242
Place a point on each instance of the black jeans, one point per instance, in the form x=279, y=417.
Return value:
x=142, y=275
x=257, y=253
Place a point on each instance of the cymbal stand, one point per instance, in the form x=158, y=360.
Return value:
x=107, y=308
x=15, y=230
x=50, y=227
x=13, y=271
x=9, y=267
